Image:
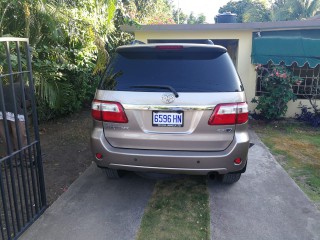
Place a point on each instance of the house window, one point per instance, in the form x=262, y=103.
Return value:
x=310, y=84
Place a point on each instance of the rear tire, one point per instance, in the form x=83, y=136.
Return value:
x=230, y=178
x=112, y=173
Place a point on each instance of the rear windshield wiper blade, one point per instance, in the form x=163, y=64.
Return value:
x=158, y=87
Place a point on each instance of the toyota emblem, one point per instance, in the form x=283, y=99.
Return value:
x=167, y=98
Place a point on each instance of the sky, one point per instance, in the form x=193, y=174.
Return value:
x=208, y=7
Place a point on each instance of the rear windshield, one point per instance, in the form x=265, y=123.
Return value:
x=205, y=71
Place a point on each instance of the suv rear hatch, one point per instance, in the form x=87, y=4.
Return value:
x=171, y=97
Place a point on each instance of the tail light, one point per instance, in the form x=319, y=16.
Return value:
x=229, y=114
x=108, y=111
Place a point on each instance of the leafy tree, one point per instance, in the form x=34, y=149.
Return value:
x=67, y=41
x=200, y=19
x=248, y=10
x=188, y=19
x=32, y=19
x=150, y=11
x=117, y=37
x=182, y=16
x=279, y=10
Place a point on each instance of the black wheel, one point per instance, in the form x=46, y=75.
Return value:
x=112, y=173
x=231, y=178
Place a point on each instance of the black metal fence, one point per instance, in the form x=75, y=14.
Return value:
x=22, y=190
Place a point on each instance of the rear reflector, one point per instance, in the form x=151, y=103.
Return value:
x=229, y=114
x=169, y=47
x=108, y=111
x=99, y=156
x=237, y=161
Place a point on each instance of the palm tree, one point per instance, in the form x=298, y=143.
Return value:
x=305, y=8
x=294, y=9
x=61, y=33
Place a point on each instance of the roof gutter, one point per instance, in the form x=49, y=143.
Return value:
x=256, y=26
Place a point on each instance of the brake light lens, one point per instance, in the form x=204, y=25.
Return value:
x=169, y=47
x=229, y=114
x=108, y=111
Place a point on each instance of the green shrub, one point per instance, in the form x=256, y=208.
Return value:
x=277, y=86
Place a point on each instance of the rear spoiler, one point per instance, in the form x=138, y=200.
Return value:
x=186, y=47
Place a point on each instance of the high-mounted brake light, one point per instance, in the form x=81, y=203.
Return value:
x=229, y=114
x=108, y=111
x=169, y=47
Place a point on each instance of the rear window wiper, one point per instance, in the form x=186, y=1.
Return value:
x=158, y=87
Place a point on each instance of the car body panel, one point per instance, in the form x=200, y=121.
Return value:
x=194, y=81
x=183, y=162
x=195, y=134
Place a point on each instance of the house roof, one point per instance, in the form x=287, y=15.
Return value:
x=315, y=17
x=313, y=23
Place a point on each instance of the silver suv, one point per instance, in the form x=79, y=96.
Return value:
x=172, y=108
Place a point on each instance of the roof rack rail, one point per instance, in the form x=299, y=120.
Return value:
x=134, y=42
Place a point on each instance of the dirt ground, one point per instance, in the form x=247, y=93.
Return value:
x=65, y=145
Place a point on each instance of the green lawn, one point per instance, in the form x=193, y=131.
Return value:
x=297, y=148
x=178, y=209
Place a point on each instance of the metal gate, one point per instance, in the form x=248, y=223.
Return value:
x=22, y=189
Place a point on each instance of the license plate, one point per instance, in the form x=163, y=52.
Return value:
x=167, y=119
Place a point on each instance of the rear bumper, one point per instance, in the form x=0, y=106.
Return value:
x=182, y=162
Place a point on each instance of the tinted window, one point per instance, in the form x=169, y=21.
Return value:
x=185, y=71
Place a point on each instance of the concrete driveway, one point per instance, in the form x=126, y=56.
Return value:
x=95, y=208
x=264, y=204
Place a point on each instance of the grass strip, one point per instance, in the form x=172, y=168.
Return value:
x=178, y=209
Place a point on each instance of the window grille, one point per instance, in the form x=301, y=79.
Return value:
x=308, y=86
